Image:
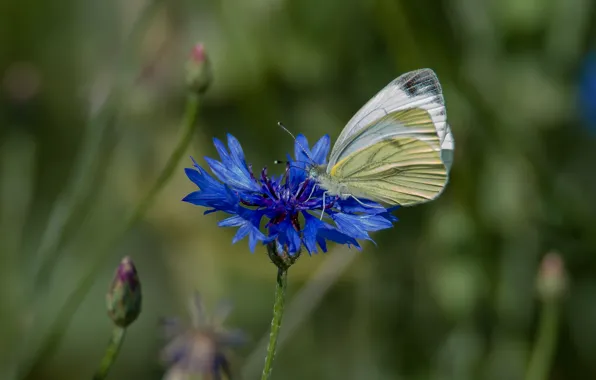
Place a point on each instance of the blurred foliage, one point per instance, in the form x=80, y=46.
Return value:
x=449, y=294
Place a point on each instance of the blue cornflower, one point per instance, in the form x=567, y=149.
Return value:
x=290, y=204
x=587, y=91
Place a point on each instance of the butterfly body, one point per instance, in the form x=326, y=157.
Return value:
x=396, y=150
x=331, y=185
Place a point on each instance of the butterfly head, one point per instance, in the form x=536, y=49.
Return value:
x=315, y=172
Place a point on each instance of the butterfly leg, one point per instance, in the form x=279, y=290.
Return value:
x=311, y=192
x=365, y=205
x=323, y=210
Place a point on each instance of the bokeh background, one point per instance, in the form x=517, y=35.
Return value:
x=92, y=97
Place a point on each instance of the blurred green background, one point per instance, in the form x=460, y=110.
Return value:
x=448, y=294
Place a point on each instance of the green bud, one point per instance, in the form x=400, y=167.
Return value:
x=124, y=297
x=280, y=257
x=552, y=280
x=198, y=70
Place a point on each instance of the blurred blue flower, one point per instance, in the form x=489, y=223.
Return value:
x=199, y=348
x=587, y=91
x=291, y=204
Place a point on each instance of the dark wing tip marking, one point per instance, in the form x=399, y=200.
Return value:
x=419, y=82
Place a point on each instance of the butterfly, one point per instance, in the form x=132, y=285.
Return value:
x=396, y=150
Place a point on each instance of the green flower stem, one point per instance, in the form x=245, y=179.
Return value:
x=74, y=300
x=278, y=312
x=111, y=353
x=546, y=341
x=190, y=117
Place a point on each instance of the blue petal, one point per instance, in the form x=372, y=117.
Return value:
x=297, y=172
x=223, y=152
x=194, y=176
x=322, y=243
x=254, y=237
x=231, y=176
x=247, y=228
x=233, y=221
x=202, y=179
x=320, y=150
x=234, y=162
x=312, y=225
x=301, y=151
x=389, y=216
x=286, y=235
x=293, y=239
x=202, y=198
x=357, y=226
x=351, y=205
x=331, y=233
x=237, y=153
x=241, y=233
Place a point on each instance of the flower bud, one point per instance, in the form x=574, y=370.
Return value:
x=198, y=70
x=124, y=297
x=279, y=255
x=552, y=281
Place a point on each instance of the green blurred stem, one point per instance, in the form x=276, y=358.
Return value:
x=74, y=300
x=190, y=117
x=74, y=204
x=546, y=341
x=278, y=312
x=111, y=353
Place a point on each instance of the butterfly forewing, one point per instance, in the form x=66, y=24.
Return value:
x=415, y=90
x=413, y=122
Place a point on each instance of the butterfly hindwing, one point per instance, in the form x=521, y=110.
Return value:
x=397, y=171
x=398, y=161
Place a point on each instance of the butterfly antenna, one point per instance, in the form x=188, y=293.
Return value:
x=278, y=162
x=294, y=137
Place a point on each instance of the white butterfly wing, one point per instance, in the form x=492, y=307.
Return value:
x=403, y=169
x=418, y=89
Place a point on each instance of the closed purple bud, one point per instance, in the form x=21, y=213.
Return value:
x=552, y=279
x=198, y=70
x=124, y=297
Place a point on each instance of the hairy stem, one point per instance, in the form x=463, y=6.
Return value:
x=278, y=311
x=111, y=353
x=546, y=341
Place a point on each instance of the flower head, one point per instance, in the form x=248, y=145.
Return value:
x=289, y=206
x=198, y=348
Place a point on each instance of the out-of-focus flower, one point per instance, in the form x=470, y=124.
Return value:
x=587, y=91
x=199, y=348
x=291, y=203
x=22, y=81
x=552, y=280
x=198, y=70
x=124, y=297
